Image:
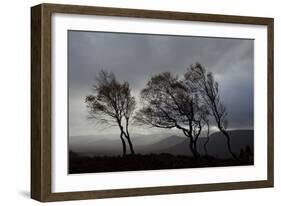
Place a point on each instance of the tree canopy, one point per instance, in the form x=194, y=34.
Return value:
x=169, y=102
x=112, y=103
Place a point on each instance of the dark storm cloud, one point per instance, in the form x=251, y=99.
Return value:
x=135, y=58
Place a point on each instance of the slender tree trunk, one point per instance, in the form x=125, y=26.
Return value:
x=123, y=144
x=192, y=144
x=121, y=137
x=195, y=141
x=207, y=140
x=195, y=149
x=130, y=143
x=205, y=146
x=191, y=147
x=127, y=135
x=228, y=143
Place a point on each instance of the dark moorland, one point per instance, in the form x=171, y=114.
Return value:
x=82, y=164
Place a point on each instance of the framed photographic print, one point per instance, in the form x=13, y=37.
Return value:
x=130, y=102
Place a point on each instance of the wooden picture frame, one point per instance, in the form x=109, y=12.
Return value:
x=41, y=117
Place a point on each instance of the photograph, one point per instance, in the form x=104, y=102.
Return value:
x=133, y=102
x=150, y=102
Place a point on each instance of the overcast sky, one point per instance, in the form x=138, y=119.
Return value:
x=136, y=57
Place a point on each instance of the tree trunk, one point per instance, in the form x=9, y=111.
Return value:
x=207, y=140
x=205, y=146
x=130, y=143
x=123, y=144
x=192, y=144
x=127, y=135
x=193, y=148
x=229, y=144
x=121, y=137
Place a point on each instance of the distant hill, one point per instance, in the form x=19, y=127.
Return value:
x=176, y=145
x=217, y=144
x=160, y=145
x=100, y=145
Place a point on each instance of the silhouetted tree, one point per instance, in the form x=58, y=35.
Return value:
x=112, y=103
x=210, y=93
x=168, y=102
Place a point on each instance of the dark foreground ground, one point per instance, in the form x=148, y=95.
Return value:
x=82, y=164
